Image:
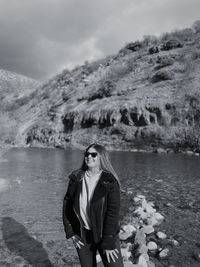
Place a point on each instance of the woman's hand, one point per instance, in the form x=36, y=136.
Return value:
x=111, y=254
x=77, y=241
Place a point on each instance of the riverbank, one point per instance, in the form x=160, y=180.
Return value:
x=146, y=149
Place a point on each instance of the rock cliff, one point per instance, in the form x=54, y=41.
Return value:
x=146, y=96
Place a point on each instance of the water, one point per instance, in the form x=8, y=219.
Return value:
x=33, y=182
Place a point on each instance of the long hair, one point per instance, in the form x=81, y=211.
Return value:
x=104, y=160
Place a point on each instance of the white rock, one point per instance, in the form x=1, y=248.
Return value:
x=142, y=262
x=137, y=199
x=155, y=219
x=129, y=264
x=141, y=213
x=147, y=206
x=129, y=228
x=143, y=249
x=124, y=236
x=125, y=254
x=151, y=264
x=175, y=242
x=152, y=246
x=148, y=229
x=159, y=217
x=161, y=235
x=169, y=204
x=164, y=253
x=139, y=210
x=159, y=180
x=161, y=150
x=189, y=152
x=146, y=256
x=152, y=221
x=151, y=203
x=144, y=216
x=140, y=237
x=150, y=209
x=129, y=246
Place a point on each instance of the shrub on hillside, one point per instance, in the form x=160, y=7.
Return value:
x=162, y=75
x=163, y=62
x=132, y=47
x=105, y=90
x=68, y=92
x=65, y=96
x=135, y=46
x=150, y=40
x=118, y=71
x=23, y=100
x=153, y=50
x=196, y=26
x=183, y=35
x=171, y=44
x=95, y=65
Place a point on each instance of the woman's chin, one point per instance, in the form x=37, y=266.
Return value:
x=90, y=165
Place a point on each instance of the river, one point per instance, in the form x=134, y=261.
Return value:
x=33, y=182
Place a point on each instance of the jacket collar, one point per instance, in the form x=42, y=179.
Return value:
x=104, y=177
x=102, y=187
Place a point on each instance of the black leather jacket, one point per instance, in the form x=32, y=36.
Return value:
x=104, y=209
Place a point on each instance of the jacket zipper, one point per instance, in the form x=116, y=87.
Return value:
x=79, y=221
x=103, y=201
x=81, y=228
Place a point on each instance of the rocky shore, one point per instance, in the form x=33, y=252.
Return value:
x=143, y=244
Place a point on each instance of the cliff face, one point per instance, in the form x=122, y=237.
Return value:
x=148, y=95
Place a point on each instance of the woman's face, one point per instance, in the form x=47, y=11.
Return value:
x=92, y=158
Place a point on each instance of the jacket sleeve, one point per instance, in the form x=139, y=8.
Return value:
x=111, y=219
x=68, y=210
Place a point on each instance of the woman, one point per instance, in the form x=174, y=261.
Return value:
x=91, y=209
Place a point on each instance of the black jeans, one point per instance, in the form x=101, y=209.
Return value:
x=87, y=253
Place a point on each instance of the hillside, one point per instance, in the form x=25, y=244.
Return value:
x=147, y=96
x=15, y=91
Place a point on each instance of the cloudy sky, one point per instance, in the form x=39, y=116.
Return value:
x=39, y=38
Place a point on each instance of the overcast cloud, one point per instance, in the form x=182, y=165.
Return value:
x=39, y=38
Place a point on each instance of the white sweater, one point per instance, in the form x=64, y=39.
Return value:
x=88, y=185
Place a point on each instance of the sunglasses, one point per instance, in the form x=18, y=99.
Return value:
x=93, y=154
